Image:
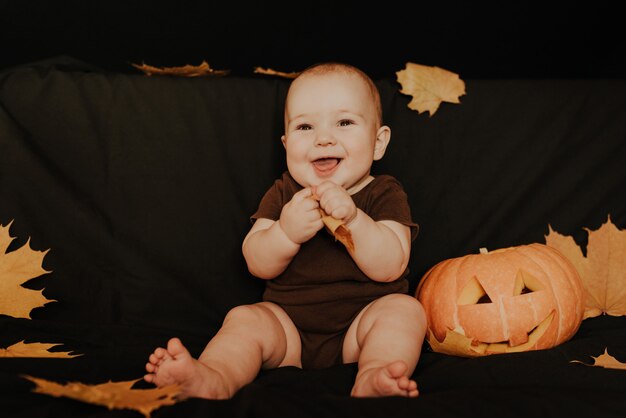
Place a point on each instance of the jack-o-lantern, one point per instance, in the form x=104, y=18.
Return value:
x=528, y=297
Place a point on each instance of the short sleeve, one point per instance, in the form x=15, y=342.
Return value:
x=387, y=201
x=271, y=204
x=276, y=197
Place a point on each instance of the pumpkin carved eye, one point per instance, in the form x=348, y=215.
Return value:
x=513, y=299
x=474, y=293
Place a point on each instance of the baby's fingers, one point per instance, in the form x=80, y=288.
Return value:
x=302, y=194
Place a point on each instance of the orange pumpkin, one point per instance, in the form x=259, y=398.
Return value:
x=528, y=297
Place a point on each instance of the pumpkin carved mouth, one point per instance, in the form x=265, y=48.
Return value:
x=456, y=343
x=506, y=347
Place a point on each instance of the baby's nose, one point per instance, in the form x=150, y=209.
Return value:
x=324, y=139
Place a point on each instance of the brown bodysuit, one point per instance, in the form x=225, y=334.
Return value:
x=322, y=289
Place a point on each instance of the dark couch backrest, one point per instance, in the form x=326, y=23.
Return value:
x=142, y=187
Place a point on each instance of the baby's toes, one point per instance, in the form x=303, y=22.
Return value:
x=403, y=383
x=151, y=367
x=161, y=353
x=412, y=389
x=159, y=356
x=154, y=359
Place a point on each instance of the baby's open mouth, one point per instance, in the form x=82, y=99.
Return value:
x=326, y=164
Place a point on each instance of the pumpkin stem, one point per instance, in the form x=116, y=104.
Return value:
x=483, y=250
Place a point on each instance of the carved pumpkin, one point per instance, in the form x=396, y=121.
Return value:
x=522, y=298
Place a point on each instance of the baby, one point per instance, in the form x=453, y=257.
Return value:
x=324, y=304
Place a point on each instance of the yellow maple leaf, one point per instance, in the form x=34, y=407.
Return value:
x=602, y=271
x=113, y=395
x=203, y=69
x=429, y=86
x=18, y=267
x=604, y=360
x=32, y=350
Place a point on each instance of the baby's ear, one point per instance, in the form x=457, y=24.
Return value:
x=383, y=136
x=282, y=139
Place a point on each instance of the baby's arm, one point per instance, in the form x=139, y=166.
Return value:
x=381, y=249
x=270, y=245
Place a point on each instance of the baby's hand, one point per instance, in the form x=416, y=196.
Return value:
x=300, y=218
x=336, y=201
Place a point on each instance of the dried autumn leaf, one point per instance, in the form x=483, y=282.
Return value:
x=32, y=350
x=269, y=71
x=602, y=271
x=204, y=69
x=113, y=395
x=429, y=86
x=604, y=360
x=18, y=267
x=338, y=229
x=455, y=343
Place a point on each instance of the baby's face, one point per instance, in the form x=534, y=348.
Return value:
x=331, y=130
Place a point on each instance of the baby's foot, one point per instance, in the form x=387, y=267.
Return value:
x=175, y=365
x=387, y=380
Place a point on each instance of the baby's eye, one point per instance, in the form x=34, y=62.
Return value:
x=303, y=127
x=346, y=122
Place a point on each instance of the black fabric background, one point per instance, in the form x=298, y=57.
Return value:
x=477, y=39
x=142, y=187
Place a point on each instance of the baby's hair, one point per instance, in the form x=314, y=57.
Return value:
x=334, y=67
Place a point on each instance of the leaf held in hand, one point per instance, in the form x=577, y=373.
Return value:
x=429, y=86
x=338, y=229
x=602, y=271
x=34, y=350
x=16, y=268
x=113, y=395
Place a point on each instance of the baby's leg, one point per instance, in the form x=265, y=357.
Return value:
x=252, y=337
x=386, y=338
